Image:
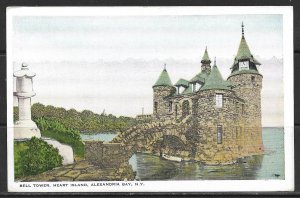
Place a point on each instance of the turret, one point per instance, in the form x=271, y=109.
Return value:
x=198, y=80
x=162, y=89
x=247, y=84
x=205, y=62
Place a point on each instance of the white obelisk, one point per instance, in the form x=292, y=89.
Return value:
x=25, y=128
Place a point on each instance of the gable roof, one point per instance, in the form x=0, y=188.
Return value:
x=182, y=82
x=215, y=80
x=163, y=79
x=199, y=77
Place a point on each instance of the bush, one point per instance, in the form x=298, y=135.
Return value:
x=52, y=128
x=35, y=156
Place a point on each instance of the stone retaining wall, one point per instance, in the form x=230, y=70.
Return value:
x=106, y=155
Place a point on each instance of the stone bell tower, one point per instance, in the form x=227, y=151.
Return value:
x=247, y=84
x=25, y=128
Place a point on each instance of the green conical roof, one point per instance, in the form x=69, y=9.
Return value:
x=163, y=79
x=205, y=57
x=182, y=82
x=244, y=52
x=215, y=80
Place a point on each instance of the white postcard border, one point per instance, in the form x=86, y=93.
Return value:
x=163, y=186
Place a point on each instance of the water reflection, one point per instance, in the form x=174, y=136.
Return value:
x=166, y=170
x=267, y=166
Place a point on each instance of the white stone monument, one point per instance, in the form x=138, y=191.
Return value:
x=25, y=128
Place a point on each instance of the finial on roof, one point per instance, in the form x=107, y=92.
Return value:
x=243, y=29
x=165, y=65
x=215, y=61
x=24, y=66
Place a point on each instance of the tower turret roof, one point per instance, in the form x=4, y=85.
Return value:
x=244, y=52
x=205, y=57
x=163, y=79
x=215, y=80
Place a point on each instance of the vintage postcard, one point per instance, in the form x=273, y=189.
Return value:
x=150, y=99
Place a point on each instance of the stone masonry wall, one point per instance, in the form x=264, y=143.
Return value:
x=178, y=101
x=248, y=87
x=106, y=155
x=230, y=117
x=159, y=95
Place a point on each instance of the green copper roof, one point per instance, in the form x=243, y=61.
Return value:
x=205, y=57
x=163, y=79
x=199, y=77
x=188, y=90
x=182, y=82
x=244, y=53
x=215, y=80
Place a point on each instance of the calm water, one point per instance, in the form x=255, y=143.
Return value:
x=103, y=137
x=267, y=166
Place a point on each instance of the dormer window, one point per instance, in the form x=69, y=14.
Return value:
x=180, y=89
x=244, y=65
x=196, y=87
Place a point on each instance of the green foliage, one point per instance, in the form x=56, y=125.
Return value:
x=50, y=127
x=85, y=121
x=35, y=156
x=65, y=125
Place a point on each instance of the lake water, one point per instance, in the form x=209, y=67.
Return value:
x=267, y=166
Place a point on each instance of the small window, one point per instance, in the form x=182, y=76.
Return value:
x=219, y=100
x=243, y=109
x=253, y=79
x=170, y=107
x=219, y=134
x=155, y=107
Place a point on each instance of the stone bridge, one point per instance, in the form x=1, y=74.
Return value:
x=169, y=136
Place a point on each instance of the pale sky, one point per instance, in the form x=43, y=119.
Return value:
x=112, y=62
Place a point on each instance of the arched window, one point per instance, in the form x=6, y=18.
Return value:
x=185, y=108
